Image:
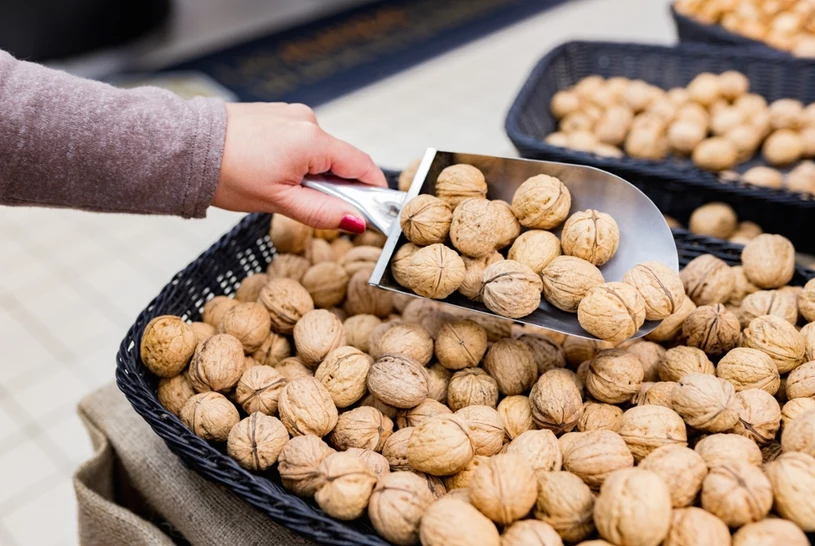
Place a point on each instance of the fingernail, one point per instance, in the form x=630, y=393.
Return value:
x=352, y=224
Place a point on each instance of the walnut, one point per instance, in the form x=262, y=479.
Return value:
x=633, y=508
x=511, y=364
x=344, y=373
x=287, y=302
x=407, y=175
x=614, y=376
x=737, y=493
x=215, y=308
x=511, y=289
x=347, y=487
x=425, y=220
x=440, y=446
x=792, y=476
x=556, y=402
x=364, y=427
x=259, y=390
x=530, y=532
x=646, y=428
x=484, y=427
x=475, y=228
x=397, y=505
x=535, y=249
x=742, y=288
x=400, y=264
x=660, y=288
x=714, y=220
x=516, y=415
x=650, y=355
x=396, y=448
x=769, y=302
x=249, y=288
x=398, y=381
x=358, y=330
x=579, y=350
x=541, y=202
x=470, y=387
x=299, y=464
x=504, y=488
x=450, y=521
x=249, y=322
x=808, y=335
x=612, y=311
x=707, y=280
x=566, y=503
x=749, y=368
x=459, y=182
x=435, y=271
x=547, y=353
x=326, y=282
x=795, y=407
x=173, y=392
x=361, y=298
x=715, y=154
x=659, y=394
x=461, y=479
x=460, y=344
x=712, y=328
x=769, y=261
x=273, y=350
x=759, y=416
x=691, y=526
x=305, y=407
x=598, y=416
x=209, y=415
x=360, y=258
x=289, y=235
x=718, y=449
x=167, y=345
x=801, y=382
x=782, y=147
x=257, y=441
x=567, y=280
x=509, y=226
x=288, y=266
x=217, y=364
x=670, y=327
x=292, y=367
x=438, y=379
x=340, y=247
x=474, y=274
x=316, y=334
x=770, y=531
x=318, y=251
x=376, y=337
x=410, y=340
x=799, y=434
x=426, y=409
x=202, y=331
x=375, y=462
x=682, y=470
x=590, y=235
x=593, y=456
x=706, y=402
x=496, y=327
x=778, y=338
x=327, y=234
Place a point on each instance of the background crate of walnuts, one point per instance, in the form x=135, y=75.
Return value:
x=441, y=427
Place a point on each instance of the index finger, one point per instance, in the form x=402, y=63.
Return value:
x=349, y=162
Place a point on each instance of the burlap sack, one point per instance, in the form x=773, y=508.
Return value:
x=134, y=491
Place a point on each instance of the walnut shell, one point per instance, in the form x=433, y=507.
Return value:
x=305, y=407
x=396, y=447
x=556, y=402
x=769, y=261
x=397, y=505
x=565, y=503
x=374, y=461
x=614, y=376
x=670, y=327
x=540, y=449
x=650, y=355
x=426, y=409
x=471, y=386
x=795, y=407
x=742, y=288
x=410, y=340
x=485, y=429
x=318, y=251
x=259, y=390
x=593, y=456
x=348, y=486
x=659, y=394
x=344, y=373
x=209, y=415
x=714, y=220
x=808, y=334
x=530, y=532
x=712, y=328
x=596, y=416
x=217, y=364
x=511, y=289
x=376, y=337
x=749, y=368
x=340, y=247
x=612, y=311
x=792, y=476
x=459, y=182
x=299, y=464
x=633, y=508
x=167, y=345
x=425, y=220
x=364, y=427
x=707, y=280
x=706, y=402
x=718, y=449
x=504, y=488
x=257, y=441
x=287, y=302
x=362, y=299
x=778, y=339
x=438, y=379
x=249, y=288
x=806, y=301
x=547, y=353
x=400, y=263
x=737, y=493
x=249, y=322
x=289, y=235
x=692, y=526
x=292, y=367
x=288, y=266
x=452, y=522
x=541, y=202
x=316, y=334
x=516, y=415
x=435, y=271
x=215, y=308
x=408, y=173
x=173, y=392
x=326, y=282
x=567, y=280
x=646, y=428
x=440, y=446
x=511, y=364
x=682, y=470
x=759, y=416
x=660, y=287
x=770, y=531
x=273, y=350
x=591, y=235
x=769, y=302
x=358, y=330
x=473, y=281
x=799, y=434
x=535, y=249
x=475, y=227
x=509, y=226
x=398, y=381
x=202, y=331
x=460, y=344
x=360, y=258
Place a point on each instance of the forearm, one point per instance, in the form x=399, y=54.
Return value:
x=69, y=142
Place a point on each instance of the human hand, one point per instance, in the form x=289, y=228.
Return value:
x=270, y=147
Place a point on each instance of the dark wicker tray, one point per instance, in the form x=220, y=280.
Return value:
x=246, y=249
x=675, y=185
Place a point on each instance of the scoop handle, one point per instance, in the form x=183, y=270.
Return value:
x=380, y=206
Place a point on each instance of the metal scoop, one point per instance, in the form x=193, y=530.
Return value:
x=644, y=234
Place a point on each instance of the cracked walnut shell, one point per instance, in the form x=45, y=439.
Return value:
x=706, y=402
x=612, y=311
x=737, y=493
x=440, y=446
x=299, y=464
x=660, y=287
x=257, y=441
x=475, y=228
x=344, y=372
x=210, y=416
x=397, y=505
x=471, y=386
x=316, y=334
x=435, y=271
x=707, y=280
x=682, y=470
x=633, y=508
x=425, y=220
x=259, y=390
x=287, y=302
x=347, y=487
x=646, y=428
x=556, y=402
x=614, y=376
x=567, y=280
x=565, y=503
x=511, y=289
x=398, y=380
x=712, y=328
x=459, y=182
x=305, y=407
x=591, y=235
x=249, y=322
x=769, y=261
x=777, y=338
x=535, y=249
x=503, y=488
x=364, y=427
x=167, y=345
x=453, y=522
x=541, y=202
x=217, y=364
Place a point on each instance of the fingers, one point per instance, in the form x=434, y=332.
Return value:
x=319, y=210
x=349, y=162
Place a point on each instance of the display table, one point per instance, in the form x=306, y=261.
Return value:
x=135, y=491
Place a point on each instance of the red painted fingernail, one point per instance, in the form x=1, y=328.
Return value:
x=352, y=224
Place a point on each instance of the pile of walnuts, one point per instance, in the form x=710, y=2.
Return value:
x=715, y=121
x=788, y=25
x=444, y=427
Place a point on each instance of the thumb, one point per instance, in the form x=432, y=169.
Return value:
x=319, y=210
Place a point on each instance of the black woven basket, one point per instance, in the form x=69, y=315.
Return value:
x=693, y=30
x=675, y=185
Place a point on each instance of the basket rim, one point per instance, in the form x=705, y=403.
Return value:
x=687, y=174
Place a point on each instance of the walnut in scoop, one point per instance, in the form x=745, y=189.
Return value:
x=459, y=182
x=289, y=235
x=344, y=372
x=259, y=390
x=535, y=249
x=435, y=271
x=503, y=488
x=440, y=446
x=511, y=289
x=475, y=228
x=398, y=381
x=712, y=328
x=167, y=345
x=541, y=202
x=474, y=274
x=257, y=441
x=737, y=493
x=510, y=228
x=305, y=407
x=591, y=235
x=769, y=261
x=567, y=280
x=425, y=220
x=400, y=263
x=660, y=288
x=707, y=280
x=612, y=311
x=347, y=487
x=217, y=364
x=287, y=301
x=209, y=415
x=397, y=505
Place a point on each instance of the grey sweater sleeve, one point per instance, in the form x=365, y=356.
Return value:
x=70, y=142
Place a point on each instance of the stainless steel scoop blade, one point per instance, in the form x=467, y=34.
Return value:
x=644, y=234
